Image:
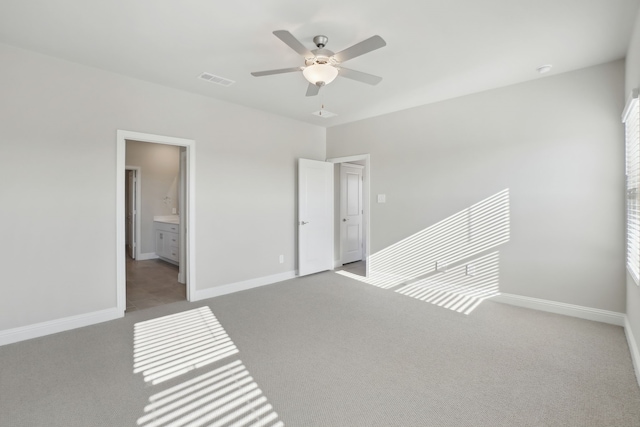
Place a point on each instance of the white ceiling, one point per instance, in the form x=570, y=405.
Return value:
x=436, y=49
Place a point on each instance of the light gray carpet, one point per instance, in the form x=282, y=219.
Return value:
x=327, y=350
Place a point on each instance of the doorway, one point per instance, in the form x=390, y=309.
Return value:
x=152, y=275
x=186, y=217
x=351, y=215
x=351, y=212
x=319, y=216
x=348, y=170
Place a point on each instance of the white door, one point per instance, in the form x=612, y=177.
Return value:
x=315, y=216
x=130, y=203
x=351, y=212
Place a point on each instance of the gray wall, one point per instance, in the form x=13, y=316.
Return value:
x=554, y=142
x=159, y=168
x=632, y=75
x=58, y=168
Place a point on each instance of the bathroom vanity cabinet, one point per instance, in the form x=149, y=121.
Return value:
x=167, y=241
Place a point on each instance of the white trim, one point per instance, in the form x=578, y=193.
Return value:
x=121, y=278
x=366, y=200
x=138, y=208
x=633, y=347
x=337, y=263
x=230, y=288
x=352, y=165
x=182, y=199
x=572, y=310
x=147, y=255
x=170, y=261
x=36, y=330
x=604, y=316
x=347, y=159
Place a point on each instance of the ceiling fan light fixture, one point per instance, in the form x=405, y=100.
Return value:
x=322, y=66
x=320, y=74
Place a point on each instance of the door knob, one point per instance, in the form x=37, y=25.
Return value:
x=303, y=223
x=345, y=219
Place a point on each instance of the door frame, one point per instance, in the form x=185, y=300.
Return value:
x=137, y=237
x=182, y=197
x=341, y=207
x=366, y=201
x=190, y=144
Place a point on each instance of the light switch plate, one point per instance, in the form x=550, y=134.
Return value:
x=382, y=198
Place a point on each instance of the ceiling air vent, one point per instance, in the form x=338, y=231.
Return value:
x=216, y=79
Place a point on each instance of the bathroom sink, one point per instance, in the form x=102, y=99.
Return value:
x=169, y=219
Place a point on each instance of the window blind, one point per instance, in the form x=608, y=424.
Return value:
x=631, y=119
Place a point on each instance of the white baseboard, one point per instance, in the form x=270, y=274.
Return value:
x=391, y=278
x=170, y=261
x=579, y=311
x=36, y=330
x=338, y=263
x=604, y=316
x=149, y=255
x=242, y=286
x=633, y=348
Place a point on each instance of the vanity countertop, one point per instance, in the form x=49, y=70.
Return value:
x=169, y=219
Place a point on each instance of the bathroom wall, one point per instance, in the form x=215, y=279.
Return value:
x=159, y=174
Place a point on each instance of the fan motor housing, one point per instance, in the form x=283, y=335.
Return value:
x=321, y=56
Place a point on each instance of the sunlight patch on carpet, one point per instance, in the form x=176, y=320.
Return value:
x=170, y=346
x=224, y=397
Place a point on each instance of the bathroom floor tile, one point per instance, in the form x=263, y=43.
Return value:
x=151, y=283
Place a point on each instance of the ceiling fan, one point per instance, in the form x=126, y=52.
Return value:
x=322, y=66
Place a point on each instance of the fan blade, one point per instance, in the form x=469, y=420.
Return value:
x=365, y=46
x=360, y=76
x=280, y=71
x=293, y=43
x=312, y=90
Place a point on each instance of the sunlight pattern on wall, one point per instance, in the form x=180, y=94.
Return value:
x=478, y=228
x=462, y=288
x=226, y=396
x=173, y=345
x=461, y=236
